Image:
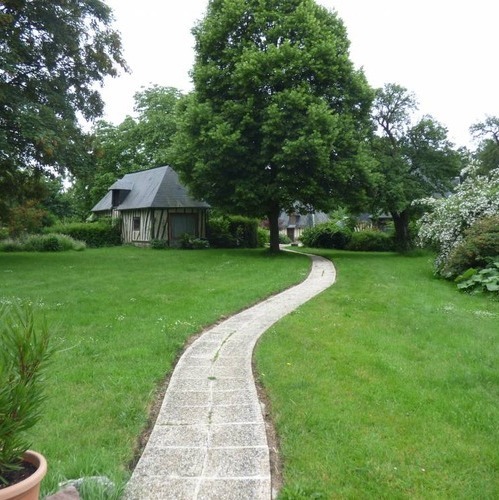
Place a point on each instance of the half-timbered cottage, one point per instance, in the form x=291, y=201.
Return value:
x=154, y=205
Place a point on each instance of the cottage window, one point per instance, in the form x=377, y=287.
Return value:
x=136, y=224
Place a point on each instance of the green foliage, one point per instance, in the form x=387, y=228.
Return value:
x=189, y=242
x=371, y=241
x=232, y=232
x=218, y=234
x=483, y=280
x=480, y=243
x=275, y=94
x=95, y=234
x=4, y=233
x=263, y=237
x=10, y=245
x=135, y=144
x=24, y=353
x=26, y=218
x=326, y=235
x=53, y=55
x=159, y=244
x=284, y=239
x=443, y=226
x=42, y=243
x=413, y=160
x=487, y=153
x=342, y=217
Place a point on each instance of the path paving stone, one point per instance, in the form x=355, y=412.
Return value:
x=209, y=439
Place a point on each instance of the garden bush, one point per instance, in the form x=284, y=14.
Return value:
x=371, y=241
x=284, y=239
x=442, y=227
x=326, y=235
x=263, y=237
x=218, y=233
x=232, y=232
x=479, y=245
x=159, y=244
x=188, y=242
x=483, y=280
x=42, y=243
x=103, y=233
x=11, y=245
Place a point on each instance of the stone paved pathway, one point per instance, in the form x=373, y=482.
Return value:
x=209, y=440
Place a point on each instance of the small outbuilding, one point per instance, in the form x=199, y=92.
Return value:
x=154, y=205
x=293, y=224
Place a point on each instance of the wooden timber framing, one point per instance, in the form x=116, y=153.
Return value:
x=155, y=224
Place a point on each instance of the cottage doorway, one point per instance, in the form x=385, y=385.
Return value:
x=181, y=224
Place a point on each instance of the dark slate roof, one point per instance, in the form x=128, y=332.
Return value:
x=302, y=220
x=154, y=188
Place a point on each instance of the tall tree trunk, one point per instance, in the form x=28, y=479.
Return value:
x=274, y=229
x=402, y=236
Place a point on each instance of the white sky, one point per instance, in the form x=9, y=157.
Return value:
x=445, y=51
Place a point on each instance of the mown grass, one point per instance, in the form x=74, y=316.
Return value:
x=386, y=386
x=120, y=316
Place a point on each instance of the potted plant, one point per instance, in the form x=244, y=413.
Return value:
x=24, y=353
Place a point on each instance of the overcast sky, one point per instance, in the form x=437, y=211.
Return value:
x=445, y=51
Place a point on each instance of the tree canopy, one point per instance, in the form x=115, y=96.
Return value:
x=487, y=152
x=52, y=55
x=137, y=143
x=413, y=160
x=278, y=112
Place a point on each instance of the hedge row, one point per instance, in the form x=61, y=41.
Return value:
x=233, y=232
x=42, y=243
x=94, y=234
x=331, y=235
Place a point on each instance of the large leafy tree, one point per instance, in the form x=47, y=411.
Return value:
x=487, y=153
x=52, y=55
x=278, y=111
x=413, y=160
x=137, y=143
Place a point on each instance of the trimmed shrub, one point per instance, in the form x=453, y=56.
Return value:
x=94, y=234
x=188, y=242
x=326, y=235
x=232, y=232
x=284, y=239
x=263, y=236
x=478, y=247
x=10, y=245
x=42, y=243
x=159, y=244
x=218, y=233
x=371, y=241
x=244, y=230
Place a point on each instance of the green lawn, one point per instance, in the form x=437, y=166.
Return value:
x=120, y=316
x=386, y=386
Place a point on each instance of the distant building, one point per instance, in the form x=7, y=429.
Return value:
x=292, y=225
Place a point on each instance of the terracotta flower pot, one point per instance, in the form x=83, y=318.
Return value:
x=29, y=488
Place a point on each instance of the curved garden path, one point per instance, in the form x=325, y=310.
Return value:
x=209, y=439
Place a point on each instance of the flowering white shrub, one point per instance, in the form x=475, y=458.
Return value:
x=442, y=226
